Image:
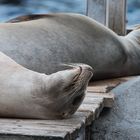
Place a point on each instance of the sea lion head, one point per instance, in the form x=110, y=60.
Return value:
x=65, y=90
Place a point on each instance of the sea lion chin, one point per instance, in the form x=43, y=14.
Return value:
x=29, y=94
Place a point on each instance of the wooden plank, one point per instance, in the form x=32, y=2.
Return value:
x=87, y=116
x=105, y=86
x=93, y=100
x=95, y=104
x=48, y=131
x=96, y=9
x=111, y=13
x=96, y=109
x=54, y=131
x=34, y=133
x=117, y=16
x=40, y=130
x=101, y=88
x=77, y=119
x=21, y=137
x=65, y=129
x=108, y=98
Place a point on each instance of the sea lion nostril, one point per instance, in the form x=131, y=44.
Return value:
x=77, y=100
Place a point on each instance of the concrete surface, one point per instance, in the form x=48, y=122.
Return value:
x=122, y=122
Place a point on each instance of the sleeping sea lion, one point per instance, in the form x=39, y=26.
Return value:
x=29, y=94
x=42, y=42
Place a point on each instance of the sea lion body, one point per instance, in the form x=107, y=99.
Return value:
x=29, y=94
x=42, y=42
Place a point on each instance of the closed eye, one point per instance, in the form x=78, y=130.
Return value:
x=77, y=100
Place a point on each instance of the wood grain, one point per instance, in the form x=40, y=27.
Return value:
x=111, y=13
x=96, y=9
x=117, y=16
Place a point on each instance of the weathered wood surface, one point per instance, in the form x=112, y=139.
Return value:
x=117, y=16
x=67, y=129
x=96, y=9
x=111, y=13
x=104, y=86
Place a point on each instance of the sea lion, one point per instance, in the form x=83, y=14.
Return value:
x=29, y=94
x=41, y=42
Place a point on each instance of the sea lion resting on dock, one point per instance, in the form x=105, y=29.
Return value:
x=29, y=94
x=41, y=42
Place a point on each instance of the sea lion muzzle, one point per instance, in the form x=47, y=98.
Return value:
x=68, y=90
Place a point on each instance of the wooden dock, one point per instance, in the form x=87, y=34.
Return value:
x=97, y=97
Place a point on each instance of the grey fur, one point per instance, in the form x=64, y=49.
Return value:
x=42, y=43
